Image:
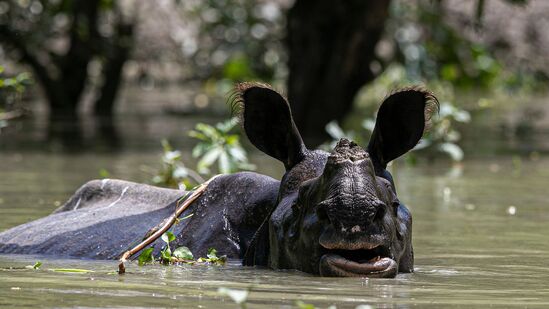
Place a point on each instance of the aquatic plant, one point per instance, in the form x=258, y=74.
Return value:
x=12, y=88
x=218, y=144
x=238, y=296
x=11, y=92
x=36, y=266
x=173, y=173
x=443, y=136
x=218, y=149
x=181, y=255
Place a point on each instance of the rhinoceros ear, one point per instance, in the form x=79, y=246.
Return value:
x=401, y=120
x=267, y=120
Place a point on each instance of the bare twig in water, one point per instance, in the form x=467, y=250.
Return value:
x=180, y=208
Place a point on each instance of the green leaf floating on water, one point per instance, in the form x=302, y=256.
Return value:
x=214, y=259
x=166, y=255
x=146, y=256
x=35, y=266
x=168, y=237
x=179, y=255
x=302, y=305
x=238, y=296
x=212, y=253
x=183, y=253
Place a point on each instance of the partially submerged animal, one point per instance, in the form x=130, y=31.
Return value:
x=332, y=214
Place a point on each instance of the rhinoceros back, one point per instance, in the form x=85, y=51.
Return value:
x=100, y=220
x=104, y=218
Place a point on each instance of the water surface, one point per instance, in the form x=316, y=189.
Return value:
x=480, y=239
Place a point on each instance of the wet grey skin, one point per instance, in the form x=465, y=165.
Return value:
x=332, y=214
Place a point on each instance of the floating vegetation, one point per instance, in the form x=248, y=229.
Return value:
x=39, y=264
x=218, y=148
x=35, y=266
x=181, y=255
x=238, y=296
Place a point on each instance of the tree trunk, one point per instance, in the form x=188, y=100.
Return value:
x=65, y=77
x=331, y=46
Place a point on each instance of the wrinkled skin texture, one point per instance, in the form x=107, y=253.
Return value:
x=337, y=214
x=344, y=218
x=106, y=217
x=332, y=214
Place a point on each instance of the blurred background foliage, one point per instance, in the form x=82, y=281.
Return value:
x=101, y=60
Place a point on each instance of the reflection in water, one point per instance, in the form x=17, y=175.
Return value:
x=74, y=135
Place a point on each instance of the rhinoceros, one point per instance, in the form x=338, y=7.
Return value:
x=332, y=213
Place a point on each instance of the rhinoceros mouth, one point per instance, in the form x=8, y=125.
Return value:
x=374, y=263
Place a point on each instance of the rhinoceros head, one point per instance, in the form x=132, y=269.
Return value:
x=337, y=212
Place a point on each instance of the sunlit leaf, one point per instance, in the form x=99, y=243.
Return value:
x=369, y=124
x=35, y=266
x=227, y=126
x=168, y=237
x=334, y=130
x=453, y=150
x=146, y=256
x=423, y=143
x=103, y=173
x=183, y=253
x=224, y=164
x=232, y=140
x=197, y=135
x=238, y=153
x=180, y=172
x=238, y=296
x=238, y=68
x=166, y=145
x=301, y=305
x=462, y=116
x=200, y=149
x=212, y=253
x=207, y=130
x=166, y=254
x=208, y=159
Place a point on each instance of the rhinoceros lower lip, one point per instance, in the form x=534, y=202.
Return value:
x=333, y=265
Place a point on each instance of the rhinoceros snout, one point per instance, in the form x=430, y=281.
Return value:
x=353, y=213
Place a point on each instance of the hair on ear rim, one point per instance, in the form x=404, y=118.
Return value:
x=432, y=105
x=265, y=117
x=235, y=98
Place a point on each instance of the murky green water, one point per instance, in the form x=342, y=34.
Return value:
x=481, y=239
x=481, y=235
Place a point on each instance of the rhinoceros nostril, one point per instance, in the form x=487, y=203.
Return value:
x=380, y=213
